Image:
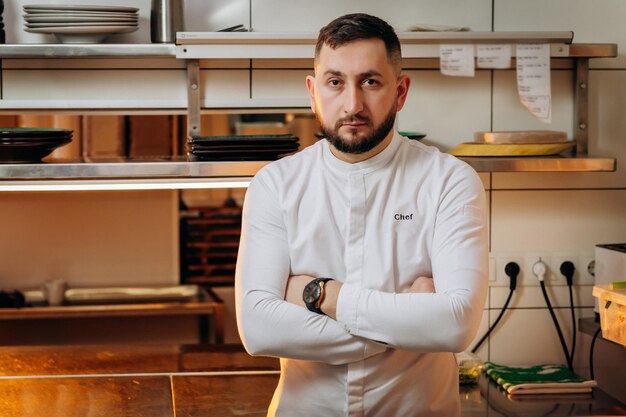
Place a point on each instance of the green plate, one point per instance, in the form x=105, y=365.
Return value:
x=413, y=135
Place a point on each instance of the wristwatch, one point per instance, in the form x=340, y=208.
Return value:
x=313, y=294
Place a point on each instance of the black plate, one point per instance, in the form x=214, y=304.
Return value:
x=241, y=139
x=34, y=143
x=238, y=153
x=236, y=156
x=26, y=154
x=242, y=148
x=35, y=138
x=25, y=132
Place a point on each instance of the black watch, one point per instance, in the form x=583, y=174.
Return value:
x=313, y=294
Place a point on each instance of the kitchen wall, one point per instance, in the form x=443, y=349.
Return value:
x=555, y=216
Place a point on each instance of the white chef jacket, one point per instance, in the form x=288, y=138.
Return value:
x=375, y=226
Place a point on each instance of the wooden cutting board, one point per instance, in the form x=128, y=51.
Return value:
x=521, y=136
x=513, y=149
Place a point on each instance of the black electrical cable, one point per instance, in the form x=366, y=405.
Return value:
x=495, y=323
x=571, y=303
x=512, y=270
x=567, y=269
x=593, y=342
x=556, y=324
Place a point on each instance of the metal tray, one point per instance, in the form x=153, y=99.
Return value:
x=122, y=295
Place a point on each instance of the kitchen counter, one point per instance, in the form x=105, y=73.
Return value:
x=201, y=380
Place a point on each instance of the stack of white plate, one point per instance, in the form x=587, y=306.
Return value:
x=80, y=24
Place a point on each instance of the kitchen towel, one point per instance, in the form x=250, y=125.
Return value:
x=538, y=379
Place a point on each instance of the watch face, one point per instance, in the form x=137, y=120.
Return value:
x=311, y=293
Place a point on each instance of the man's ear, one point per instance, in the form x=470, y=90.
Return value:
x=404, y=82
x=310, y=86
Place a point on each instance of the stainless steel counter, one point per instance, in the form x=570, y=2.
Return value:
x=202, y=380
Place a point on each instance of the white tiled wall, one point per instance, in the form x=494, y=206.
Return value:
x=302, y=15
x=592, y=22
x=556, y=220
x=434, y=107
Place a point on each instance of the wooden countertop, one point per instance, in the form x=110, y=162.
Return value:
x=200, y=380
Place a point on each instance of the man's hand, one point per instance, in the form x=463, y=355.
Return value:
x=422, y=284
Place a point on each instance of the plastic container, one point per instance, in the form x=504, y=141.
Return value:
x=612, y=306
x=470, y=367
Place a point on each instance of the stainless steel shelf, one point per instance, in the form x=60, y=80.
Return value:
x=268, y=45
x=98, y=169
x=285, y=38
x=167, y=173
x=87, y=50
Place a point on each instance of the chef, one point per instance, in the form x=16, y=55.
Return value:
x=340, y=241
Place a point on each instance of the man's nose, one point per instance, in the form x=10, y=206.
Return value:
x=354, y=100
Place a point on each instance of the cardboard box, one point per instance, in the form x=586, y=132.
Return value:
x=612, y=305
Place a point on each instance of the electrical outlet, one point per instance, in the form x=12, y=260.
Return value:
x=557, y=260
x=502, y=279
x=584, y=276
x=530, y=279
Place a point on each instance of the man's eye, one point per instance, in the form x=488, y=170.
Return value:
x=334, y=83
x=370, y=82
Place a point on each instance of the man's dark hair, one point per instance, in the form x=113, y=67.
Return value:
x=360, y=26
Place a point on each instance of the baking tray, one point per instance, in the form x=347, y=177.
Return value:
x=122, y=295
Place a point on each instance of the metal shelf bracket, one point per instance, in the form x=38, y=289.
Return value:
x=193, y=97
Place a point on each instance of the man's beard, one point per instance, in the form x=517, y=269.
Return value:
x=355, y=145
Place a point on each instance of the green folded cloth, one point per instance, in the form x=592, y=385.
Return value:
x=539, y=379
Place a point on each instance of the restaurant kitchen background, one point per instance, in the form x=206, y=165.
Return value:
x=118, y=238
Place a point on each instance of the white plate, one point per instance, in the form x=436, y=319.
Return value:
x=69, y=19
x=76, y=24
x=45, y=12
x=80, y=8
x=82, y=35
x=82, y=30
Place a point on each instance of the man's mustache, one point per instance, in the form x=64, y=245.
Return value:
x=353, y=119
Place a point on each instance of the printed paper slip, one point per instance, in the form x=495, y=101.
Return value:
x=497, y=56
x=533, y=80
x=457, y=60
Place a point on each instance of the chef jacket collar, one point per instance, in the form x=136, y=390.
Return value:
x=375, y=162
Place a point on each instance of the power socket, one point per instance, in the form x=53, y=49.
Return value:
x=529, y=260
x=584, y=276
x=557, y=261
x=501, y=278
x=553, y=261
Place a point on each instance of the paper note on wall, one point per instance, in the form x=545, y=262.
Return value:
x=496, y=56
x=533, y=80
x=457, y=60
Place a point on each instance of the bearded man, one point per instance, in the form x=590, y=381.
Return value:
x=363, y=258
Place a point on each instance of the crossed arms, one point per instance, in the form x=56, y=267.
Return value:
x=441, y=314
